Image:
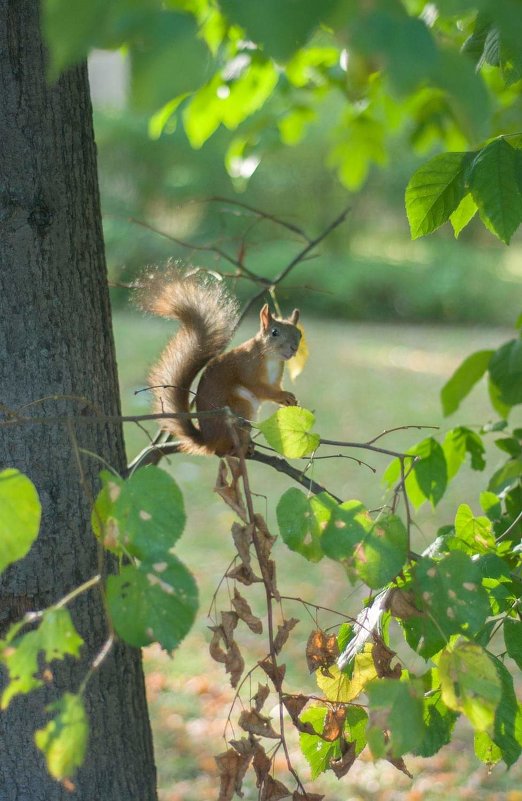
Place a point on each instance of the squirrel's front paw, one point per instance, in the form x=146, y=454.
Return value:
x=288, y=399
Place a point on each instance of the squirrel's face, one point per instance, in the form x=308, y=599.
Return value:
x=280, y=337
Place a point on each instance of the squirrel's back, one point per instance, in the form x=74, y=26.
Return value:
x=208, y=317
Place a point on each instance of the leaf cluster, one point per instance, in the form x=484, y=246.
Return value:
x=448, y=75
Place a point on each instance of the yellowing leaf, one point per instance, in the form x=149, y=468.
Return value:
x=64, y=739
x=288, y=431
x=295, y=366
x=20, y=512
x=343, y=689
x=470, y=683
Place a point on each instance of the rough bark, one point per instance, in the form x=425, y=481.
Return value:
x=56, y=341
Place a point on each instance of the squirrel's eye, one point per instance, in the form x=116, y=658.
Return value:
x=275, y=332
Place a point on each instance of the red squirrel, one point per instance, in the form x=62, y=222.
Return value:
x=239, y=379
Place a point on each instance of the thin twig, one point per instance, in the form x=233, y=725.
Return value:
x=364, y=446
x=399, y=428
x=263, y=214
x=282, y=466
x=312, y=243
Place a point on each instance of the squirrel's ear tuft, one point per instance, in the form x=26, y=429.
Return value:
x=265, y=317
x=294, y=317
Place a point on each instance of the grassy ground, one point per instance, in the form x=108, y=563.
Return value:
x=360, y=380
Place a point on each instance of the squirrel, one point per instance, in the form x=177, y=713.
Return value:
x=239, y=379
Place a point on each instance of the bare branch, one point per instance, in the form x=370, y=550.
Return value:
x=312, y=243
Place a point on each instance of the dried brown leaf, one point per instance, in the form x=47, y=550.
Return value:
x=242, y=536
x=306, y=728
x=401, y=604
x=283, y=632
x=230, y=492
x=295, y=704
x=263, y=691
x=215, y=650
x=245, y=746
x=261, y=764
x=382, y=657
x=228, y=624
x=244, y=574
x=270, y=579
x=244, y=612
x=234, y=664
x=399, y=763
x=276, y=674
x=334, y=723
x=321, y=650
x=341, y=766
x=274, y=790
x=232, y=768
x=297, y=796
x=264, y=538
x=254, y=723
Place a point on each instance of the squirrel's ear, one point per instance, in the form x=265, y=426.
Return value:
x=265, y=317
x=294, y=317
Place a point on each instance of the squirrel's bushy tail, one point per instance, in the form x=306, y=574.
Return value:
x=208, y=317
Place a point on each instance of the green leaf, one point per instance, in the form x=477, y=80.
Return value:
x=450, y=591
x=344, y=635
x=470, y=683
x=466, y=94
x=497, y=580
x=474, y=532
x=293, y=126
x=64, y=740
x=355, y=727
x=428, y=478
x=396, y=706
x=513, y=639
x=463, y=380
x=20, y=513
x=316, y=751
x=288, y=431
x=463, y=214
x=167, y=39
x=302, y=519
x=435, y=191
x=347, y=526
x=402, y=44
x=506, y=477
x=505, y=370
x=142, y=515
x=438, y=725
x=55, y=637
x=457, y=443
x=507, y=729
x=309, y=63
x=495, y=183
x=485, y=748
x=509, y=445
x=71, y=28
x=429, y=472
x=360, y=144
x=501, y=408
x=229, y=101
x=382, y=552
x=278, y=25
x=491, y=505
x=153, y=602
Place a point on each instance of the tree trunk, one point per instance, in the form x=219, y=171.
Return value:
x=57, y=357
